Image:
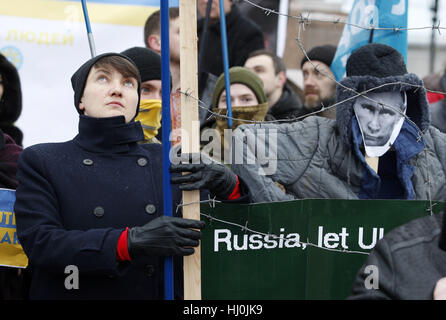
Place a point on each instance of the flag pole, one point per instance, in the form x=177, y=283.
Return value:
x=165, y=127
x=89, y=33
x=224, y=48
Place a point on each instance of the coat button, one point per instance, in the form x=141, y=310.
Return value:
x=142, y=162
x=150, y=270
x=88, y=162
x=150, y=209
x=98, y=212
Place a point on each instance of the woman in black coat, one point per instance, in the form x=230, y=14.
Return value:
x=93, y=204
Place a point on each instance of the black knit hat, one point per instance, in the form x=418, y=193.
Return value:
x=324, y=54
x=79, y=78
x=376, y=60
x=147, y=61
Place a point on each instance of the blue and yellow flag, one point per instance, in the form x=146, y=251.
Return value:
x=359, y=30
x=11, y=252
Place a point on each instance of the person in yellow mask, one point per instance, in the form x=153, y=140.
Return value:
x=148, y=63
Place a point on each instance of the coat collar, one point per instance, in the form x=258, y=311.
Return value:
x=108, y=135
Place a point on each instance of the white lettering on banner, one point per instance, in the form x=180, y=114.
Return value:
x=225, y=240
x=375, y=238
x=46, y=38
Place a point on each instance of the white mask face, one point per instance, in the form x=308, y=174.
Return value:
x=380, y=118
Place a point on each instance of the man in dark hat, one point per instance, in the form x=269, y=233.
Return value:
x=381, y=145
x=319, y=84
x=93, y=204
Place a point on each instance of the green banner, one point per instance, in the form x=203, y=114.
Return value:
x=302, y=249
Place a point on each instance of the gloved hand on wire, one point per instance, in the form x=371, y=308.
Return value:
x=164, y=236
x=211, y=175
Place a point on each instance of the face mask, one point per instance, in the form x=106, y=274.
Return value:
x=380, y=125
x=150, y=117
x=240, y=115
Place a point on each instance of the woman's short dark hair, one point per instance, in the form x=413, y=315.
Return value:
x=122, y=65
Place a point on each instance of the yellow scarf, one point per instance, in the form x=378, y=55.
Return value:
x=253, y=113
x=150, y=117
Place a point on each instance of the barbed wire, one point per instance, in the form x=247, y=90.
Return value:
x=302, y=23
x=245, y=228
x=339, y=20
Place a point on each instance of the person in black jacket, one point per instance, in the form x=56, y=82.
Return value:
x=408, y=263
x=14, y=283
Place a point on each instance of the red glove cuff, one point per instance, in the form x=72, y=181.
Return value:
x=434, y=96
x=236, y=192
x=122, y=251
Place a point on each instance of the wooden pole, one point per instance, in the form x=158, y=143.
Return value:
x=190, y=133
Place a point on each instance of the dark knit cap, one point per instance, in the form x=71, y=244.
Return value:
x=79, y=78
x=324, y=54
x=376, y=60
x=147, y=61
x=240, y=75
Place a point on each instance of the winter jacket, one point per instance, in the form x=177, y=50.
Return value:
x=408, y=260
x=76, y=198
x=243, y=35
x=11, y=101
x=289, y=106
x=322, y=158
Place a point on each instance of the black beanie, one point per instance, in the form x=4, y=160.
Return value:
x=79, y=78
x=324, y=54
x=377, y=60
x=147, y=61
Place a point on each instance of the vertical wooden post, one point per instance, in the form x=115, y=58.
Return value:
x=190, y=133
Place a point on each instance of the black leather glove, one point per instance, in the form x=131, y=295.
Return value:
x=216, y=177
x=164, y=236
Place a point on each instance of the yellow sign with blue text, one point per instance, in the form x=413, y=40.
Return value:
x=11, y=252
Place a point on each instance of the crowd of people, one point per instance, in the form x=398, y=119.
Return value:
x=95, y=201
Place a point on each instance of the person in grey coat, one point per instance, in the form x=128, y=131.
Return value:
x=407, y=264
x=395, y=155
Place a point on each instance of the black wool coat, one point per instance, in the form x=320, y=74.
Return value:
x=74, y=200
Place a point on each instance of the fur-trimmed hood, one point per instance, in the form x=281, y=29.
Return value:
x=417, y=104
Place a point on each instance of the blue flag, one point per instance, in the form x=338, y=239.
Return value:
x=372, y=14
